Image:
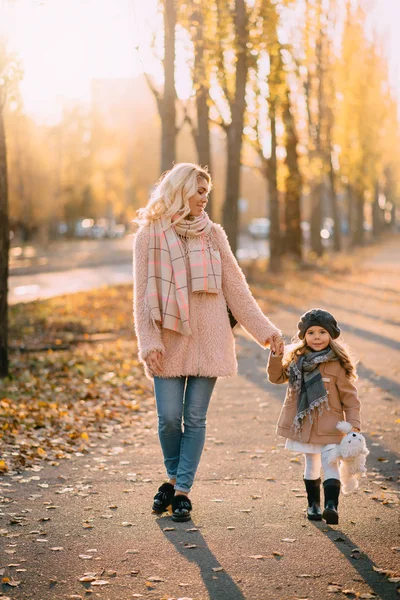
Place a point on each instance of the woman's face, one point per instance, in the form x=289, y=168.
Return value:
x=198, y=202
x=317, y=338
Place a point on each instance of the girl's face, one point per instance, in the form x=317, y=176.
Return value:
x=317, y=338
x=198, y=202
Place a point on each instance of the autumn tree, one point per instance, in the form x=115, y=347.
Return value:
x=9, y=75
x=166, y=98
x=232, y=50
x=293, y=182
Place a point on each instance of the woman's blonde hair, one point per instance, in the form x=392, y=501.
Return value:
x=342, y=351
x=172, y=192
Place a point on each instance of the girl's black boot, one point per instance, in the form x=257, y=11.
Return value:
x=331, y=492
x=313, y=488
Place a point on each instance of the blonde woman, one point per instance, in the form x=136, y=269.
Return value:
x=185, y=277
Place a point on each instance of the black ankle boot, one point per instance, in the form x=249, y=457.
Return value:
x=331, y=492
x=163, y=498
x=181, y=507
x=313, y=488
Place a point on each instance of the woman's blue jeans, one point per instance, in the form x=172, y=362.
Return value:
x=186, y=397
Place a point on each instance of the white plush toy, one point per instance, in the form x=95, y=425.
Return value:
x=351, y=454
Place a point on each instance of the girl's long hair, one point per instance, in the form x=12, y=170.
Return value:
x=172, y=192
x=342, y=351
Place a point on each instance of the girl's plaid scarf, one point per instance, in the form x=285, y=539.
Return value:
x=167, y=287
x=305, y=383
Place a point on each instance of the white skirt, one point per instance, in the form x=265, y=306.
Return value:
x=307, y=448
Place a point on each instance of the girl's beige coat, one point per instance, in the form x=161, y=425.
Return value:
x=343, y=405
x=210, y=350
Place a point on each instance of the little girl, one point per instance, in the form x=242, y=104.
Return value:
x=320, y=393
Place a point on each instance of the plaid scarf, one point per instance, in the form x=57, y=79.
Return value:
x=167, y=287
x=305, y=382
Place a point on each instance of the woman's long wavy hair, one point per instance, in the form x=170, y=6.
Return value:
x=172, y=192
x=342, y=351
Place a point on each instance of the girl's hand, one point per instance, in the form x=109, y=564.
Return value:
x=154, y=362
x=277, y=344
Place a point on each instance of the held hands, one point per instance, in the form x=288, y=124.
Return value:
x=277, y=344
x=154, y=362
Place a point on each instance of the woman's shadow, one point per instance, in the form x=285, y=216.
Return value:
x=219, y=584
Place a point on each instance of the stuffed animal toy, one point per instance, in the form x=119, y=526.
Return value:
x=351, y=454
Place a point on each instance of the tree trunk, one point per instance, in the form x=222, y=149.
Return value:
x=358, y=238
x=350, y=214
x=4, y=248
x=275, y=229
x=376, y=214
x=230, y=213
x=316, y=219
x=202, y=137
x=337, y=218
x=318, y=186
x=167, y=103
x=293, y=183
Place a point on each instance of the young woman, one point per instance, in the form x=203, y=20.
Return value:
x=185, y=277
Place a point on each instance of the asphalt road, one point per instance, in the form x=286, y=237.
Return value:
x=72, y=266
x=248, y=538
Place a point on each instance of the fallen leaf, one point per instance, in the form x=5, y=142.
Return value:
x=333, y=589
x=218, y=569
x=10, y=582
x=87, y=578
x=57, y=548
x=100, y=582
x=290, y=540
x=257, y=556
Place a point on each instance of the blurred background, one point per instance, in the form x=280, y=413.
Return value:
x=293, y=105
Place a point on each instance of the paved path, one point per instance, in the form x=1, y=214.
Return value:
x=248, y=538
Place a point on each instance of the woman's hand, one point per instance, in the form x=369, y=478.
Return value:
x=154, y=362
x=277, y=344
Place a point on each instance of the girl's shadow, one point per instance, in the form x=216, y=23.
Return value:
x=358, y=560
x=219, y=584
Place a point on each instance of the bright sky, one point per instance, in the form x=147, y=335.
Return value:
x=65, y=43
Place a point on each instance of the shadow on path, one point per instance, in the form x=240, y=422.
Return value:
x=359, y=561
x=385, y=383
x=219, y=584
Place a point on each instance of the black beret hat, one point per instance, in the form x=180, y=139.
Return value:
x=321, y=318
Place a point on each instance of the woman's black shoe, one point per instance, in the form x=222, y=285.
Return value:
x=163, y=498
x=181, y=507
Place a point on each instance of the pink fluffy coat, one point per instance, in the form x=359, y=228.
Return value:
x=210, y=350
